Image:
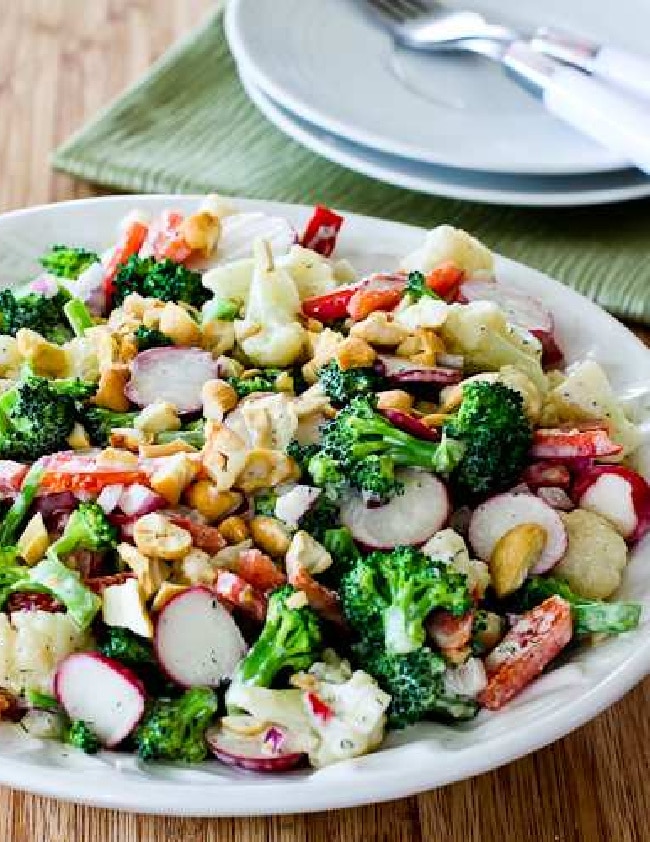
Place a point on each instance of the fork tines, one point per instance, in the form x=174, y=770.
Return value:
x=400, y=10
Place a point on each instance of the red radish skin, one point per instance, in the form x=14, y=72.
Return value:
x=521, y=309
x=197, y=642
x=98, y=584
x=138, y=500
x=573, y=444
x=171, y=374
x=24, y=601
x=552, y=354
x=251, y=753
x=617, y=493
x=401, y=370
x=498, y=515
x=102, y=692
x=410, y=424
x=410, y=518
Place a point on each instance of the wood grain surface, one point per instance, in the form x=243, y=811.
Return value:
x=61, y=61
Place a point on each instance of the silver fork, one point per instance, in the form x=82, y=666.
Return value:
x=428, y=25
x=598, y=110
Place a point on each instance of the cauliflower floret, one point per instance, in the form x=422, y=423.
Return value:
x=231, y=280
x=427, y=312
x=586, y=395
x=157, y=417
x=480, y=332
x=31, y=645
x=520, y=382
x=595, y=558
x=270, y=334
x=271, y=420
x=448, y=546
x=447, y=243
x=305, y=552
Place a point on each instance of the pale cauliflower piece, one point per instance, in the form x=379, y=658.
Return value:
x=83, y=361
x=480, y=332
x=32, y=643
x=446, y=243
x=586, y=394
x=448, y=546
x=123, y=605
x=519, y=381
x=233, y=280
x=307, y=553
x=271, y=420
x=270, y=334
x=595, y=558
x=157, y=417
x=426, y=313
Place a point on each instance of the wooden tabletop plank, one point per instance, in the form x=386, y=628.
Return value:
x=60, y=62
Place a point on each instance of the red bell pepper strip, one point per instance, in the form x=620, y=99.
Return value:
x=234, y=591
x=320, y=709
x=532, y=643
x=378, y=292
x=445, y=280
x=546, y=475
x=130, y=243
x=71, y=471
x=331, y=306
x=572, y=444
x=322, y=230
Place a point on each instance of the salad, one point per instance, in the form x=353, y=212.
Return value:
x=257, y=508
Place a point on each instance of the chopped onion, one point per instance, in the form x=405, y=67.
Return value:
x=138, y=500
x=109, y=497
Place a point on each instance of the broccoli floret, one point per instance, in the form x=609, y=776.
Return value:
x=174, y=729
x=265, y=503
x=301, y=454
x=341, y=386
x=78, y=316
x=98, y=423
x=339, y=543
x=392, y=593
x=319, y=517
x=68, y=262
x=291, y=638
x=590, y=616
x=151, y=337
x=36, y=418
x=87, y=529
x=79, y=734
x=359, y=432
x=73, y=387
x=162, y=279
x=125, y=646
x=264, y=381
x=326, y=473
x=497, y=435
x=36, y=312
x=413, y=680
x=193, y=434
x=416, y=287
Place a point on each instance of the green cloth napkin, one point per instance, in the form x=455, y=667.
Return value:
x=188, y=126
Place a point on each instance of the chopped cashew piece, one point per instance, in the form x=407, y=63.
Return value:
x=354, y=353
x=78, y=438
x=47, y=359
x=270, y=535
x=514, y=554
x=218, y=399
x=33, y=543
x=305, y=552
x=126, y=438
x=224, y=455
x=157, y=417
x=265, y=469
x=197, y=569
x=218, y=336
x=110, y=392
x=322, y=346
x=155, y=535
x=123, y=606
x=395, y=399
x=166, y=592
x=201, y=231
x=174, y=474
x=211, y=503
x=380, y=328
x=150, y=572
x=177, y=323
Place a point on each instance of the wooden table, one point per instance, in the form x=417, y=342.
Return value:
x=60, y=61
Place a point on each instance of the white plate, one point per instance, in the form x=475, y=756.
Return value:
x=330, y=64
x=413, y=760
x=520, y=190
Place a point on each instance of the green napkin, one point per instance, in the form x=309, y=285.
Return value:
x=189, y=127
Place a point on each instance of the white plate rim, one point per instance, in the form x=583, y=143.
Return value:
x=354, y=157
x=171, y=791
x=306, y=110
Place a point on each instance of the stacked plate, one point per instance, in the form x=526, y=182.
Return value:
x=326, y=74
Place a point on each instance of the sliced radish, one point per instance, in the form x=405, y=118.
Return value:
x=264, y=752
x=106, y=695
x=402, y=370
x=570, y=444
x=521, y=309
x=618, y=494
x=197, y=642
x=498, y=515
x=239, y=232
x=57, y=503
x=410, y=424
x=171, y=374
x=410, y=518
x=552, y=354
x=293, y=505
x=137, y=500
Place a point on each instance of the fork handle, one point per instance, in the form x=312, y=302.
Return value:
x=611, y=64
x=607, y=115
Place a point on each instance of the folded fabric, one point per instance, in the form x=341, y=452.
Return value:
x=188, y=126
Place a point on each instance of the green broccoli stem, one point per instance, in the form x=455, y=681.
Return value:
x=19, y=508
x=265, y=659
x=78, y=316
x=195, y=438
x=403, y=448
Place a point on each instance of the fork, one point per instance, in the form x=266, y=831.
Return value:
x=602, y=112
